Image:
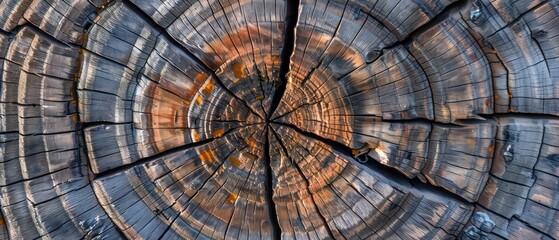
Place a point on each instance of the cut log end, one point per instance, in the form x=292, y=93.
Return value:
x=166, y=119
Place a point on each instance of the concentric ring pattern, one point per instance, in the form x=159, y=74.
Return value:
x=248, y=119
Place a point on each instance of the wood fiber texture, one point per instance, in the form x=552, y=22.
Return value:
x=279, y=119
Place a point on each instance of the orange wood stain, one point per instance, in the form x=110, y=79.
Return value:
x=195, y=136
x=238, y=70
x=276, y=59
x=218, y=132
x=232, y=198
x=199, y=100
x=206, y=156
x=201, y=77
x=208, y=89
x=251, y=143
x=235, y=161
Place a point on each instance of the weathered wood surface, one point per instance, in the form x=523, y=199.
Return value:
x=329, y=119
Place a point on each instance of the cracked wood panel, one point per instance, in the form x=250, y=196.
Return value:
x=242, y=119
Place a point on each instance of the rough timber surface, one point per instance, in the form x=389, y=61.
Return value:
x=274, y=119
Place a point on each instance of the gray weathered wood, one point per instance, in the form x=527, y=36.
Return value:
x=270, y=119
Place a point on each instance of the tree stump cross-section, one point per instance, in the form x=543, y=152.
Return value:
x=279, y=119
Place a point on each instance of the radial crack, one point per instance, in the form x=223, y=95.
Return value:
x=292, y=15
x=274, y=222
x=389, y=173
x=328, y=230
x=172, y=150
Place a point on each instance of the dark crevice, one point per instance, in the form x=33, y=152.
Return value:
x=236, y=121
x=542, y=143
x=286, y=152
x=9, y=132
x=377, y=168
x=85, y=125
x=293, y=110
x=158, y=155
x=521, y=115
x=538, y=45
x=21, y=104
x=460, y=122
x=309, y=74
x=260, y=81
x=508, y=74
x=172, y=41
x=306, y=79
x=269, y=186
x=334, y=144
x=291, y=17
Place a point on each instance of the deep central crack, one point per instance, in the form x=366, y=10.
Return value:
x=278, y=119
